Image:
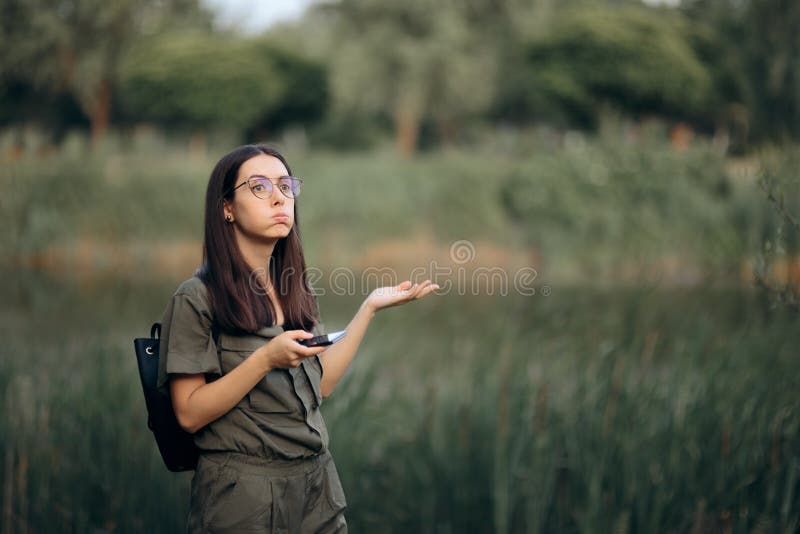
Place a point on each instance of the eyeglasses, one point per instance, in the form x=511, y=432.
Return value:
x=262, y=187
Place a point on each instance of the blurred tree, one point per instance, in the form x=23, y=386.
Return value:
x=754, y=48
x=304, y=90
x=76, y=45
x=635, y=58
x=724, y=112
x=200, y=80
x=409, y=60
x=563, y=61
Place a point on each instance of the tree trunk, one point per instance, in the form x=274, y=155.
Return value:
x=101, y=112
x=406, y=124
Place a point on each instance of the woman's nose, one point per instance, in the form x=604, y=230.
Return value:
x=277, y=196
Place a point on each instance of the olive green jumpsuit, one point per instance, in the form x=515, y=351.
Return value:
x=264, y=466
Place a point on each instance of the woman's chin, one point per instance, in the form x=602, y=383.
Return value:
x=278, y=231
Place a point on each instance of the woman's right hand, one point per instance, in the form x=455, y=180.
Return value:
x=283, y=351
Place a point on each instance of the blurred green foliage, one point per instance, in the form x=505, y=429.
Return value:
x=589, y=206
x=201, y=80
x=587, y=410
x=626, y=57
x=304, y=92
x=399, y=60
x=73, y=48
x=727, y=67
x=594, y=201
x=752, y=48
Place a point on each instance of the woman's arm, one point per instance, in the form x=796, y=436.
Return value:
x=336, y=359
x=197, y=403
x=338, y=356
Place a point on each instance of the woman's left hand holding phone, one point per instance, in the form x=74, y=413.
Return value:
x=283, y=351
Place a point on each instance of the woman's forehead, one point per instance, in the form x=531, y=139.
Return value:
x=263, y=165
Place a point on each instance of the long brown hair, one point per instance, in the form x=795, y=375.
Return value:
x=239, y=303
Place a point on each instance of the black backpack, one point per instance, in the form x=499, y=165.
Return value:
x=175, y=444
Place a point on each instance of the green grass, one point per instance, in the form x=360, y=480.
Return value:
x=585, y=411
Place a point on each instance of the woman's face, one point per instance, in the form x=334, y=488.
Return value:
x=256, y=217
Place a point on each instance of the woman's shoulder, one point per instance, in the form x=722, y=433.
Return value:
x=193, y=287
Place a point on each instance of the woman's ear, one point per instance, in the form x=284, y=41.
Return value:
x=227, y=213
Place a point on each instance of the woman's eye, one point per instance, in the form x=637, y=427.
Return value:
x=285, y=187
x=258, y=187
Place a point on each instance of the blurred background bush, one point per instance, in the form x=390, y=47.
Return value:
x=640, y=158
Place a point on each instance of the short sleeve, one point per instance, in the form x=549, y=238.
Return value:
x=318, y=330
x=187, y=345
x=319, y=327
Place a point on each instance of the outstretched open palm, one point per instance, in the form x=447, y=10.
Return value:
x=385, y=297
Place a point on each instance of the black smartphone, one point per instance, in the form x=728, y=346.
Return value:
x=323, y=340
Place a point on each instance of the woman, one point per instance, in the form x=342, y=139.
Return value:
x=238, y=378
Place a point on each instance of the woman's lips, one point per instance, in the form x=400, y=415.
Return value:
x=280, y=218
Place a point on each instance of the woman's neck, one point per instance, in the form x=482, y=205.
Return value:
x=257, y=255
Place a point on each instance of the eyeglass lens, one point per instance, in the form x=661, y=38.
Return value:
x=288, y=185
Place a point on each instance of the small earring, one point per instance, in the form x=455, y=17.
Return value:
x=228, y=218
